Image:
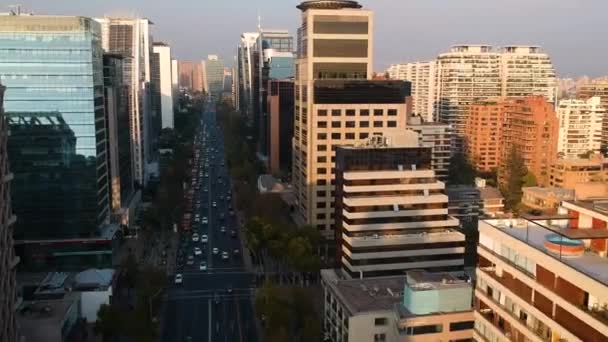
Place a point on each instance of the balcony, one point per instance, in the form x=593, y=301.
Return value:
x=403, y=239
x=397, y=174
x=450, y=222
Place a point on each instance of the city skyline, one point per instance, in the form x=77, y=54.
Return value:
x=553, y=25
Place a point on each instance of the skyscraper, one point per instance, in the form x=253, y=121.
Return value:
x=57, y=146
x=8, y=259
x=165, y=87
x=246, y=56
x=580, y=126
x=336, y=102
x=190, y=75
x=130, y=37
x=213, y=70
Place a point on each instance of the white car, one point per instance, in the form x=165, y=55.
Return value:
x=205, y=220
x=204, y=238
x=203, y=266
x=179, y=278
x=215, y=251
x=195, y=237
x=225, y=255
x=197, y=251
x=223, y=229
x=214, y=204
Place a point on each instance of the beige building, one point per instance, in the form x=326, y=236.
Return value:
x=580, y=126
x=413, y=307
x=543, y=280
x=545, y=199
x=336, y=103
x=568, y=173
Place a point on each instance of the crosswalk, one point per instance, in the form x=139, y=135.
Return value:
x=240, y=293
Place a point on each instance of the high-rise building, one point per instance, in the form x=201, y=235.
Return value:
x=336, y=102
x=483, y=134
x=280, y=125
x=120, y=168
x=213, y=80
x=190, y=75
x=597, y=88
x=580, y=126
x=8, y=259
x=165, y=86
x=175, y=83
x=530, y=126
x=544, y=280
x=527, y=71
x=245, y=70
x=391, y=211
x=437, y=136
x=57, y=146
x=130, y=37
x=422, y=75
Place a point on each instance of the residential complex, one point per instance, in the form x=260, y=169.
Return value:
x=213, y=72
x=483, y=135
x=190, y=75
x=597, y=88
x=423, y=76
x=130, y=37
x=414, y=307
x=542, y=280
x=165, y=86
x=580, y=126
x=568, y=173
x=8, y=259
x=437, y=136
x=391, y=211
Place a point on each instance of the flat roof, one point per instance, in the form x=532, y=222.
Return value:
x=535, y=234
x=558, y=192
x=489, y=192
x=367, y=294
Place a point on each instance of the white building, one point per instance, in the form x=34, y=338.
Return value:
x=175, y=82
x=437, y=136
x=166, y=84
x=422, y=76
x=580, y=126
x=243, y=77
x=527, y=70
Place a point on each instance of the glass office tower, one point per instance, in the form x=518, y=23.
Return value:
x=52, y=68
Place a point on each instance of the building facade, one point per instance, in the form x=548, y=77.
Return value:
x=130, y=37
x=422, y=75
x=8, y=259
x=280, y=123
x=543, y=280
x=597, y=88
x=483, y=135
x=391, y=211
x=246, y=55
x=437, y=136
x=213, y=71
x=580, y=126
x=568, y=173
x=165, y=84
x=190, y=75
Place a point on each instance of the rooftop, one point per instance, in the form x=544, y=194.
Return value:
x=550, y=191
x=367, y=294
x=598, y=206
x=327, y=4
x=43, y=320
x=489, y=192
x=535, y=233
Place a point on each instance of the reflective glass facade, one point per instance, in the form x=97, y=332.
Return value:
x=52, y=68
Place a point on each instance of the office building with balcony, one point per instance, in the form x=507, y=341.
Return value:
x=8, y=260
x=544, y=280
x=391, y=211
x=57, y=145
x=130, y=37
x=580, y=126
x=417, y=306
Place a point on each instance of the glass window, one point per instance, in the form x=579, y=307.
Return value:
x=322, y=112
x=336, y=112
x=351, y=112
x=378, y=112
x=392, y=112
x=336, y=124
x=377, y=123
x=336, y=136
x=364, y=112
x=364, y=124
x=391, y=124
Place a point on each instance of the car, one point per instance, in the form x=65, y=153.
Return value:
x=233, y=233
x=205, y=189
x=229, y=289
x=223, y=229
x=228, y=198
x=236, y=251
x=197, y=251
x=197, y=219
x=215, y=251
x=195, y=237
x=204, y=238
x=202, y=266
x=179, y=278
x=225, y=256
x=205, y=220
x=214, y=204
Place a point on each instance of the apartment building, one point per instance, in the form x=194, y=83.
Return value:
x=422, y=75
x=336, y=102
x=165, y=84
x=8, y=259
x=213, y=76
x=414, y=307
x=245, y=70
x=568, y=172
x=391, y=211
x=531, y=127
x=527, y=71
x=190, y=75
x=130, y=37
x=580, y=126
x=437, y=136
x=483, y=134
x=597, y=88
x=544, y=280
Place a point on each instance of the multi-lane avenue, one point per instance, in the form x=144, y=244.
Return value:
x=209, y=299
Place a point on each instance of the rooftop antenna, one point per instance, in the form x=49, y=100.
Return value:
x=15, y=9
x=259, y=21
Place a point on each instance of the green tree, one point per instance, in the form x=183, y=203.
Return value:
x=514, y=172
x=109, y=322
x=461, y=171
x=529, y=180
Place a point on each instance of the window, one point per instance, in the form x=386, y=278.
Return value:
x=363, y=135
x=336, y=112
x=380, y=337
x=340, y=48
x=322, y=124
x=378, y=112
x=377, y=123
x=464, y=325
x=321, y=205
x=350, y=112
x=321, y=170
x=391, y=124
x=381, y=321
x=320, y=216
x=364, y=112
x=321, y=147
x=322, y=136
x=336, y=136
x=336, y=124
x=322, y=112
x=350, y=136
x=425, y=329
x=321, y=193
x=321, y=182
x=392, y=112
x=321, y=159
x=350, y=124
x=364, y=124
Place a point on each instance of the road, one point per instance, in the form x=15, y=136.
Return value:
x=212, y=305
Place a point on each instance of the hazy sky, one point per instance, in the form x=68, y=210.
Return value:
x=574, y=32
